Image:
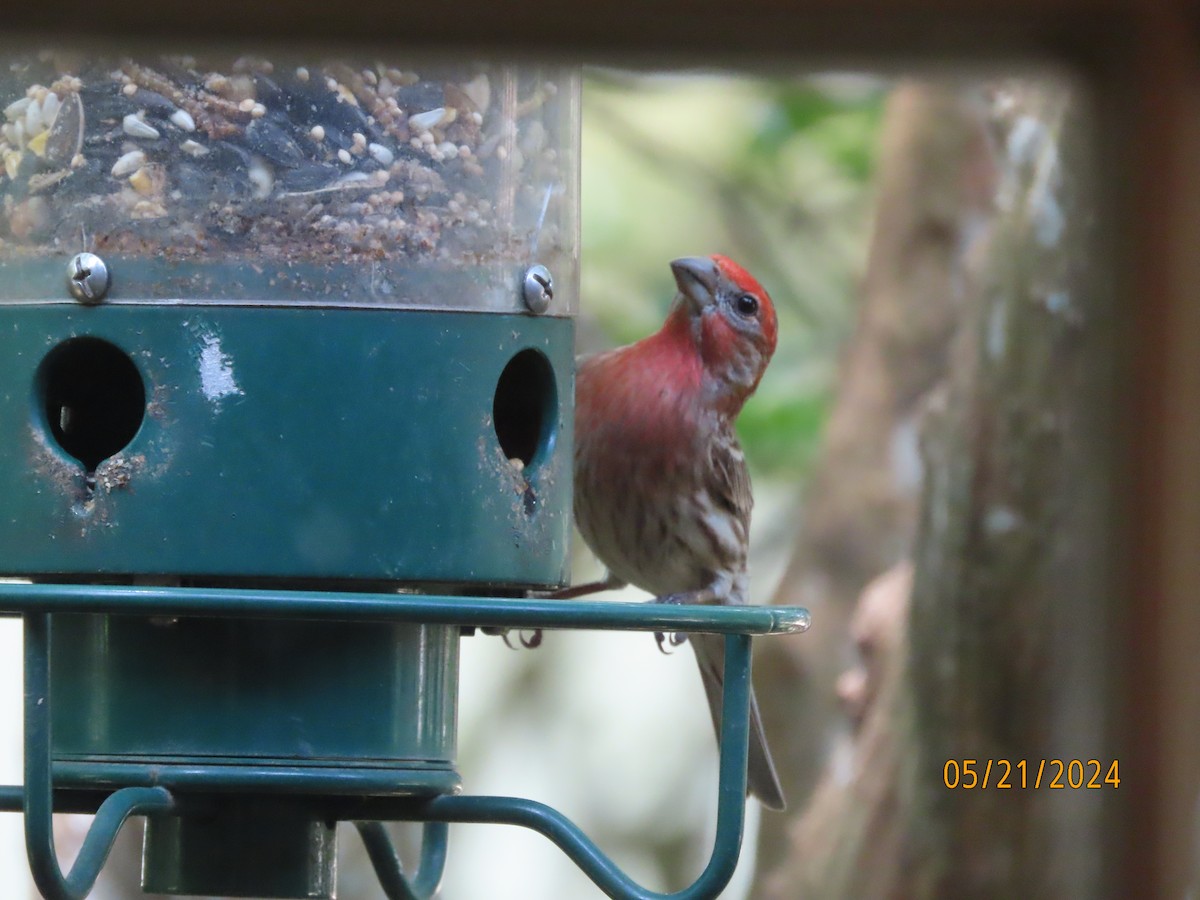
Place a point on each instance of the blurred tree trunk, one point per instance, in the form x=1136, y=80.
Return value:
x=933, y=187
x=1002, y=656
x=1008, y=637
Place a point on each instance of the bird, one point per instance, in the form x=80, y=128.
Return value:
x=662, y=491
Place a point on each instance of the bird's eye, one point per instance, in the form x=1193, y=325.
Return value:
x=746, y=305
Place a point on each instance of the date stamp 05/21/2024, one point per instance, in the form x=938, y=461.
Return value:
x=1009, y=774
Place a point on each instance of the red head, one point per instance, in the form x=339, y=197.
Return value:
x=728, y=317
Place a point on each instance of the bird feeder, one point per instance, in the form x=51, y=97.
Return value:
x=286, y=378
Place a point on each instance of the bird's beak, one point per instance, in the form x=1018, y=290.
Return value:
x=697, y=280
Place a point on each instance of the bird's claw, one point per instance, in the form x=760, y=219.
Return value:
x=672, y=641
x=532, y=642
x=676, y=639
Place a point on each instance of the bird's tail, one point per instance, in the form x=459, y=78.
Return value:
x=761, y=778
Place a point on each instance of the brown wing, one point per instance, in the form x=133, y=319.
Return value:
x=730, y=485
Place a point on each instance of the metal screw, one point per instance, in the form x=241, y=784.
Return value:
x=538, y=288
x=87, y=277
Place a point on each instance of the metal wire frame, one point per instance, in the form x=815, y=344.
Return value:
x=38, y=799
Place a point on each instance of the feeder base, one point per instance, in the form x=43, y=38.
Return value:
x=243, y=848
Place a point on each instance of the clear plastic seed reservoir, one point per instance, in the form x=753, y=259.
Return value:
x=251, y=178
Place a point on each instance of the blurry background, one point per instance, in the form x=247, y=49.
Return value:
x=928, y=454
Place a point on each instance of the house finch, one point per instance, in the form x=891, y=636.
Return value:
x=662, y=493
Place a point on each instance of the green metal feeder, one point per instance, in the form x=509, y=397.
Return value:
x=286, y=366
